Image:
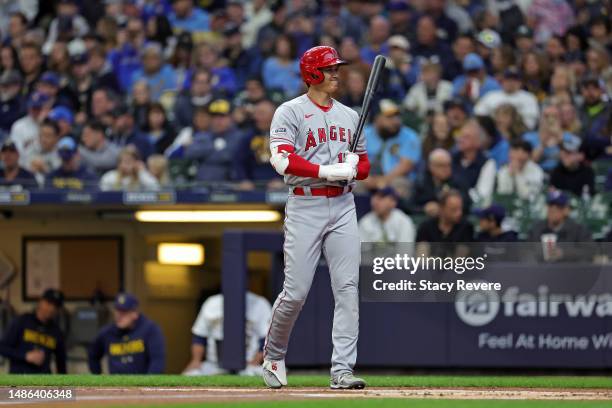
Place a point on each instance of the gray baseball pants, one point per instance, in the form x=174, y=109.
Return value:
x=315, y=225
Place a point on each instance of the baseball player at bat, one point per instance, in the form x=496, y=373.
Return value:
x=309, y=141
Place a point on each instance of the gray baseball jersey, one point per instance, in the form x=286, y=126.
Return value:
x=320, y=136
x=316, y=225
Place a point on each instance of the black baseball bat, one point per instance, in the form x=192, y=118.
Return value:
x=377, y=67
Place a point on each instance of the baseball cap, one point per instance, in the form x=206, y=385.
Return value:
x=512, y=73
x=398, y=5
x=387, y=107
x=399, y=41
x=495, y=211
x=387, y=192
x=37, y=100
x=571, y=144
x=472, y=62
x=125, y=302
x=122, y=109
x=10, y=78
x=524, y=31
x=231, y=29
x=220, y=107
x=66, y=148
x=590, y=79
x=558, y=198
x=50, y=78
x=79, y=59
x=152, y=47
x=489, y=38
x=54, y=297
x=455, y=102
x=9, y=145
x=61, y=113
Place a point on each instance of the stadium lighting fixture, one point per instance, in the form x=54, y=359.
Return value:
x=180, y=254
x=209, y=216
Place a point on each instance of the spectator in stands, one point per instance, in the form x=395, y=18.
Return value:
x=523, y=39
x=141, y=99
x=487, y=41
x=81, y=84
x=546, y=141
x=244, y=61
x=31, y=63
x=72, y=174
x=437, y=179
x=180, y=61
x=490, y=225
x=378, y=34
x=101, y=69
x=438, y=135
x=471, y=165
x=521, y=176
x=103, y=103
x=393, y=149
x=253, y=154
x=207, y=336
x=64, y=119
x=97, y=153
x=474, y=83
x=49, y=84
x=399, y=73
x=125, y=57
x=131, y=174
x=200, y=124
x=562, y=85
x=199, y=94
x=430, y=92
x=428, y=44
x=594, y=115
x=569, y=118
x=457, y=114
x=509, y=123
x=159, y=130
x=125, y=132
x=25, y=131
x=281, y=71
x=132, y=344
x=572, y=174
x=43, y=158
x=536, y=74
x=559, y=227
x=67, y=23
x=223, y=79
x=17, y=28
x=216, y=150
x=11, y=102
x=385, y=223
x=157, y=165
x=497, y=147
x=355, y=90
x=32, y=338
x=462, y=45
x=160, y=76
x=349, y=50
x=449, y=225
x=186, y=17
x=524, y=102
x=11, y=174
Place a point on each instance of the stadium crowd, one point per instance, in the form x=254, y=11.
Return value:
x=483, y=97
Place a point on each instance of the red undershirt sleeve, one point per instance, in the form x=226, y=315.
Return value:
x=363, y=167
x=299, y=166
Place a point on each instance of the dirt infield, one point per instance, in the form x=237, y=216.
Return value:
x=92, y=397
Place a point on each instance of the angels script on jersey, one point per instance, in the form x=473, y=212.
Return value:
x=336, y=133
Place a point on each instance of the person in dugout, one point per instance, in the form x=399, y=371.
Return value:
x=133, y=343
x=33, y=337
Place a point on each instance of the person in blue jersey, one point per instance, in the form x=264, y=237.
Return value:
x=32, y=338
x=133, y=344
x=186, y=17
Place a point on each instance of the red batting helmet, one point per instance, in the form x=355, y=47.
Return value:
x=315, y=58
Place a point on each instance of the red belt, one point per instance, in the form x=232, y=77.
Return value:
x=327, y=191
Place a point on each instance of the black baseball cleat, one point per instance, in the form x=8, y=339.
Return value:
x=347, y=382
